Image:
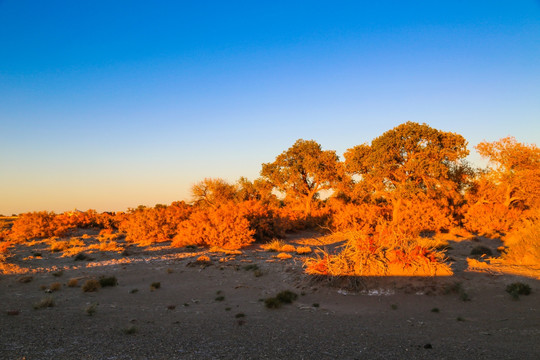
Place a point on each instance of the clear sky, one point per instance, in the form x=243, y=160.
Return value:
x=111, y=104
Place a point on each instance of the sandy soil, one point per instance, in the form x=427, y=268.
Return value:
x=186, y=318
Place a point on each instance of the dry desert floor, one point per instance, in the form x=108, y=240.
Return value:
x=217, y=310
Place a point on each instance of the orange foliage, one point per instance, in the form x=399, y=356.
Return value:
x=223, y=227
x=35, y=225
x=385, y=253
x=147, y=226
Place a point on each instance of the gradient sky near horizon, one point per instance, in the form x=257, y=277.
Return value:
x=111, y=104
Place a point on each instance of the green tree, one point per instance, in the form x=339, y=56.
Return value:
x=302, y=171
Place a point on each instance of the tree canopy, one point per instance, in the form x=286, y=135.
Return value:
x=302, y=171
x=410, y=160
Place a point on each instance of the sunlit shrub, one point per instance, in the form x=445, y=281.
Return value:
x=352, y=217
x=382, y=254
x=34, y=225
x=223, y=227
x=523, y=243
x=152, y=225
x=492, y=219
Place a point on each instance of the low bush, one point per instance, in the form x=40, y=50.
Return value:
x=105, y=281
x=91, y=285
x=518, y=288
x=385, y=253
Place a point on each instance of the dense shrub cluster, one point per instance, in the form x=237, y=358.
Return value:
x=411, y=179
x=224, y=227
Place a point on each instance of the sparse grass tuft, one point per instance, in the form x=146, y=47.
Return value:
x=303, y=250
x=91, y=285
x=73, y=282
x=130, y=330
x=58, y=273
x=251, y=267
x=203, y=259
x=44, y=303
x=155, y=286
x=315, y=305
x=91, y=309
x=105, y=281
x=283, y=256
x=273, y=246
x=287, y=248
x=435, y=310
x=55, y=286
x=240, y=315
x=220, y=298
x=518, y=288
x=81, y=257
x=171, y=307
x=272, y=303
x=25, y=279
x=284, y=297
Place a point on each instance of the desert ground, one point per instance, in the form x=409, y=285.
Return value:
x=217, y=309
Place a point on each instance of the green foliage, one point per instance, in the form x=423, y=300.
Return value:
x=518, y=288
x=105, y=281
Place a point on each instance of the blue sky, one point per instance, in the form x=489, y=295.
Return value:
x=112, y=104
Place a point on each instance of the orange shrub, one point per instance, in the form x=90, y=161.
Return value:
x=351, y=217
x=151, y=225
x=524, y=241
x=223, y=227
x=35, y=225
x=491, y=219
x=264, y=220
x=382, y=254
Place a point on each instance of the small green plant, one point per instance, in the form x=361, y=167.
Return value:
x=258, y=273
x=130, y=330
x=187, y=304
x=518, y=288
x=105, y=281
x=435, y=310
x=227, y=309
x=457, y=288
x=315, y=305
x=251, y=267
x=91, y=285
x=272, y=303
x=463, y=296
x=459, y=318
x=220, y=298
x=287, y=297
x=44, y=303
x=394, y=306
x=91, y=309
x=240, y=315
x=155, y=286
x=81, y=257
x=171, y=307
x=133, y=291
x=284, y=297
